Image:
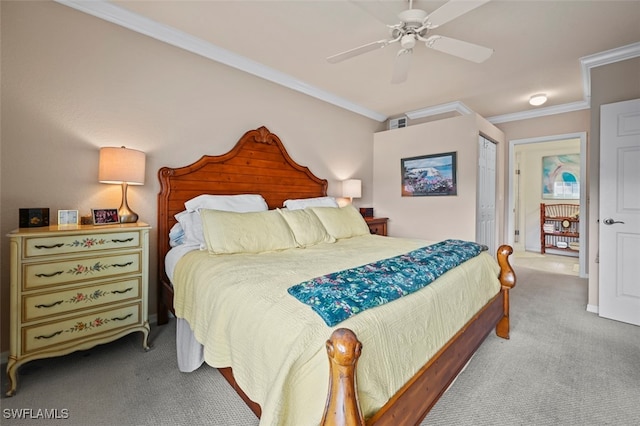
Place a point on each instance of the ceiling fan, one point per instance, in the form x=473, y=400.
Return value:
x=415, y=25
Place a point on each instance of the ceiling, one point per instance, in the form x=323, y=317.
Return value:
x=539, y=46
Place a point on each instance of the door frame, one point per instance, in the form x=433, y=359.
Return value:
x=582, y=255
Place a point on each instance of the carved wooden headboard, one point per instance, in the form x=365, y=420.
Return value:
x=257, y=164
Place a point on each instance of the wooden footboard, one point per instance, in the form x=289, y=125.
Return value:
x=412, y=403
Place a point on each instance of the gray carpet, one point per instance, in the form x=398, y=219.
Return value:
x=562, y=366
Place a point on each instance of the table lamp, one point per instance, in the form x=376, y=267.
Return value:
x=352, y=188
x=126, y=167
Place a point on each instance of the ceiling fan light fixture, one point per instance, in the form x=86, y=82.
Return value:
x=538, y=99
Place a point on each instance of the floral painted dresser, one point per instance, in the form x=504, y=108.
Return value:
x=75, y=287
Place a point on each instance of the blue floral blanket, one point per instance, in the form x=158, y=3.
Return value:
x=340, y=295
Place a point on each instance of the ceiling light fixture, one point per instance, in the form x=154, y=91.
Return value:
x=537, y=100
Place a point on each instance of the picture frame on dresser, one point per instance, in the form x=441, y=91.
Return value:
x=105, y=216
x=67, y=217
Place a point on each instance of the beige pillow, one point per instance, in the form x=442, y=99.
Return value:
x=343, y=222
x=256, y=232
x=307, y=228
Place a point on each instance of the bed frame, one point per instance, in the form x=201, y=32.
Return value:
x=259, y=164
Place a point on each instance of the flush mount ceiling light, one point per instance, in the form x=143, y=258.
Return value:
x=537, y=100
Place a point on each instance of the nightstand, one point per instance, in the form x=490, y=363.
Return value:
x=377, y=225
x=74, y=287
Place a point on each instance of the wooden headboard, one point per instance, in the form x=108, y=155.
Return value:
x=257, y=164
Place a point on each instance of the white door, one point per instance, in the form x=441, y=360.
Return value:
x=619, y=251
x=486, y=209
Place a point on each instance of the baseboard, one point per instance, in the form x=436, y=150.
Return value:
x=592, y=308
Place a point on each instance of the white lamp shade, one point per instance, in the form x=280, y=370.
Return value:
x=352, y=188
x=118, y=165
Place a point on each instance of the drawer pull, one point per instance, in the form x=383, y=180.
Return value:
x=121, y=318
x=49, y=275
x=49, y=336
x=122, y=241
x=50, y=247
x=121, y=265
x=50, y=305
x=121, y=291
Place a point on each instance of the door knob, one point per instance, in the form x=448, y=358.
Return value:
x=609, y=221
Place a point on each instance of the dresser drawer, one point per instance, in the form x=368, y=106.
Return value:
x=79, y=328
x=38, y=275
x=41, y=305
x=63, y=244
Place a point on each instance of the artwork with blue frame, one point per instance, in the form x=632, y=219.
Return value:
x=561, y=177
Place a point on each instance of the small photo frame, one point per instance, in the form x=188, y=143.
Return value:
x=34, y=217
x=67, y=217
x=105, y=216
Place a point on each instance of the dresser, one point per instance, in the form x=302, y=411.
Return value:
x=74, y=287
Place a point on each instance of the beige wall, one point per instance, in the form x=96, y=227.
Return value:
x=433, y=218
x=72, y=83
x=609, y=83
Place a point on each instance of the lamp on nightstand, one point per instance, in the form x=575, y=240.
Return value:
x=126, y=167
x=352, y=188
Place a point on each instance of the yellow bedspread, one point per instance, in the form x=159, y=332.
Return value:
x=239, y=309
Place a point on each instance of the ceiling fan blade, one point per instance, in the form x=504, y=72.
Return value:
x=462, y=49
x=401, y=66
x=451, y=10
x=359, y=51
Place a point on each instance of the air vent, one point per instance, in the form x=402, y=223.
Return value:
x=396, y=123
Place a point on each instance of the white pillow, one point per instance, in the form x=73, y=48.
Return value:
x=191, y=225
x=307, y=228
x=343, y=222
x=303, y=203
x=254, y=232
x=230, y=203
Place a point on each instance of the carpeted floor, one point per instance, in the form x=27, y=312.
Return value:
x=562, y=366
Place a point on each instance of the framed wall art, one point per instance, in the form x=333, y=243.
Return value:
x=428, y=175
x=561, y=177
x=105, y=216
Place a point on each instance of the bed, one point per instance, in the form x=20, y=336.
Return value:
x=282, y=372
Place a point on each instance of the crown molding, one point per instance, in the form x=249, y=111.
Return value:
x=109, y=12
x=124, y=18
x=455, y=106
x=586, y=64
x=540, y=112
x=604, y=58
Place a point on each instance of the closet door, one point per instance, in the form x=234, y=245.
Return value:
x=486, y=205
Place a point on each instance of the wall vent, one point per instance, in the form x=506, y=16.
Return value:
x=396, y=123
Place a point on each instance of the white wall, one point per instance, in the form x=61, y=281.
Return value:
x=433, y=217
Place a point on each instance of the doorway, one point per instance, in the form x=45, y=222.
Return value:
x=525, y=192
